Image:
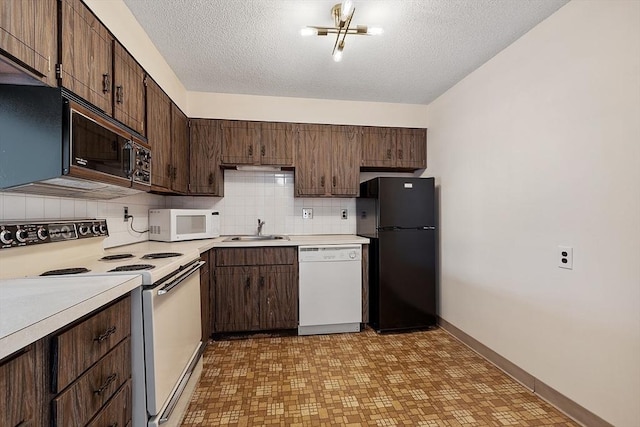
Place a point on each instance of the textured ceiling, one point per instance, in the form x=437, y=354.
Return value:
x=255, y=47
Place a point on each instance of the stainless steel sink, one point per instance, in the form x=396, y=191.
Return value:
x=254, y=238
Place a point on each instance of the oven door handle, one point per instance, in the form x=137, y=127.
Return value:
x=183, y=276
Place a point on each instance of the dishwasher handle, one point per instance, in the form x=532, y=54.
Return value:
x=181, y=278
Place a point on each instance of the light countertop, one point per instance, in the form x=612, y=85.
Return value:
x=31, y=308
x=206, y=244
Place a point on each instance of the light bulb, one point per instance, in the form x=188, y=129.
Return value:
x=374, y=31
x=345, y=10
x=337, y=55
x=308, y=31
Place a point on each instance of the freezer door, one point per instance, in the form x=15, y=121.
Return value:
x=406, y=202
x=406, y=288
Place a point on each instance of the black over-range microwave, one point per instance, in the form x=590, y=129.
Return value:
x=51, y=143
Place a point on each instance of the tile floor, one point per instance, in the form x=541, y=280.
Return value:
x=413, y=379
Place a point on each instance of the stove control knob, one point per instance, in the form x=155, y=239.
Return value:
x=21, y=235
x=42, y=233
x=6, y=237
x=352, y=254
x=84, y=230
x=103, y=228
x=95, y=229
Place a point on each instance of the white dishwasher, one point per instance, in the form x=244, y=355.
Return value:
x=330, y=289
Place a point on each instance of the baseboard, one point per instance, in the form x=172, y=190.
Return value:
x=573, y=410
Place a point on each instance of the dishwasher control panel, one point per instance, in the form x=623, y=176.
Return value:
x=326, y=253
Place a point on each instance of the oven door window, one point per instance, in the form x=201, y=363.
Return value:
x=191, y=224
x=98, y=148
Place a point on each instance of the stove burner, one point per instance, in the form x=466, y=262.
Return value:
x=64, y=271
x=116, y=256
x=158, y=255
x=133, y=267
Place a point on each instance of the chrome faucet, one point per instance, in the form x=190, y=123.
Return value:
x=260, y=224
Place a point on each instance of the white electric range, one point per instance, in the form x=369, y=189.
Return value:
x=165, y=335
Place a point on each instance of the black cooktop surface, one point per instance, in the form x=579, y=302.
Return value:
x=133, y=267
x=116, y=257
x=64, y=271
x=158, y=255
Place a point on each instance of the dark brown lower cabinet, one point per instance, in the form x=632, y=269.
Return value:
x=255, y=289
x=18, y=404
x=206, y=301
x=32, y=393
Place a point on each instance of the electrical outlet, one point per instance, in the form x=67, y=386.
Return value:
x=307, y=213
x=126, y=214
x=565, y=257
x=344, y=214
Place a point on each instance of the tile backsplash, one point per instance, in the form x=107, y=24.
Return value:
x=248, y=196
x=251, y=195
x=16, y=206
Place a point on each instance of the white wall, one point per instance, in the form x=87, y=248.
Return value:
x=540, y=147
x=17, y=206
x=304, y=110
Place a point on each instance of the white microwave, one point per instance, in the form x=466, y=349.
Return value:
x=175, y=225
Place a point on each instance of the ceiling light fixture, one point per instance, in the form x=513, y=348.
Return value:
x=342, y=14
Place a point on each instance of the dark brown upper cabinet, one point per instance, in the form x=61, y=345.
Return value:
x=257, y=143
x=393, y=148
x=179, y=150
x=128, y=89
x=206, y=176
x=313, y=160
x=411, y=148
x=86, y=66
x=159, y=136
x=345, y=149
x=327, y=161
x=378, y=147
x=29, y=37
x=276, y=143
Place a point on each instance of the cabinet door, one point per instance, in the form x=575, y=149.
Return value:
x=179, y=150
x=378, y=147
x=236, y=299
x=313, y=161
x=205, y=295
x=276, y=143
x=86, y=55
x=345, y=149
x=206, y=176
x=278, y=297
x=159, y=135
x=411, y=148
x=17, y=389
x=28, y=32
x=128, y=87
x=239, y=140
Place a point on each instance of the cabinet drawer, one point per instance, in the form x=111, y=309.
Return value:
x=85, y=397
x=17, y=389
x=255, y=256
x=81, y=346
x=117, y=412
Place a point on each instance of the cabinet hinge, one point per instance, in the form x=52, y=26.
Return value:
x=59, y=70
x=144, y=81
x=189, y=122
x=189, y=187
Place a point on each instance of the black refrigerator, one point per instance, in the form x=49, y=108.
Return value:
x=398, y=215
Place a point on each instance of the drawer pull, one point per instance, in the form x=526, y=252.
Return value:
x=262, y=151
x=111, y=378
x=250, y=150
x=389, y=154
x=106, y=82
x=106, y=334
